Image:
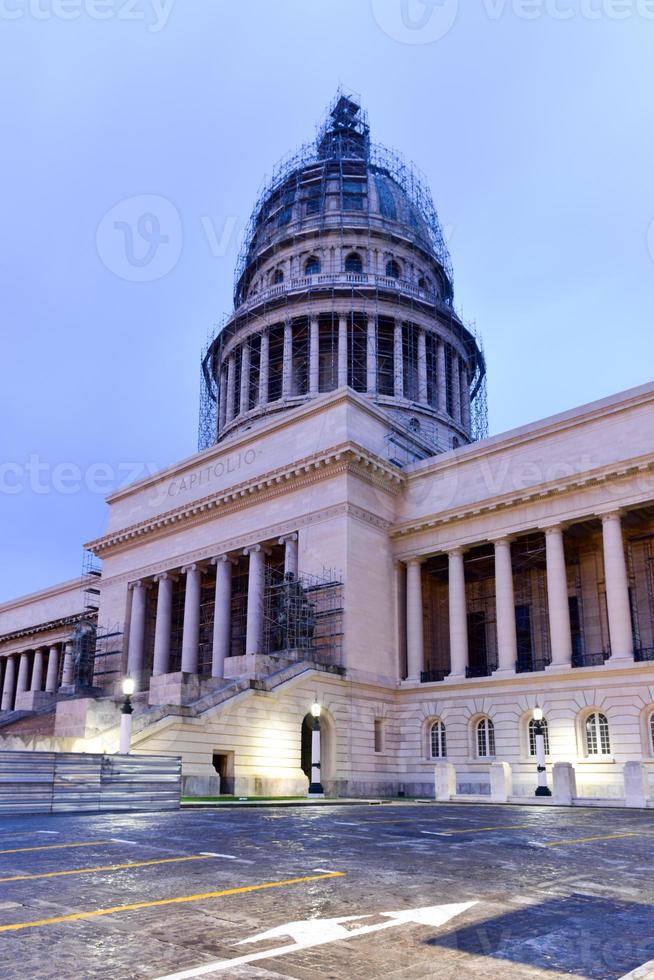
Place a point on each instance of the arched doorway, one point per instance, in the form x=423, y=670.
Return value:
x=326, y=746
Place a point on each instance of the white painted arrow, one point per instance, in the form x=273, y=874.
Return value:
x=308, y=933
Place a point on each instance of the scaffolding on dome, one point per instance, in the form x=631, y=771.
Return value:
x=298, y=185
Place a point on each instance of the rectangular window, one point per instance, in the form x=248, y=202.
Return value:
x=379, y=735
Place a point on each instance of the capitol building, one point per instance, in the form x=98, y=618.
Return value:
x=349, y=536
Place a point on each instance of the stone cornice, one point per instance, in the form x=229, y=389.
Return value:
x=556, y=488
x=235, y=546
x=53, y=625
x=544, y=428
x=346, y=458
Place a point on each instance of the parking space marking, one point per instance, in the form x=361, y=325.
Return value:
x=106, y=867
x=178, y=900
x=588, y=840
x=52, y=847
x=228, y=857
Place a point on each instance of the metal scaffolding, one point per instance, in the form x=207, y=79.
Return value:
x=327, y=187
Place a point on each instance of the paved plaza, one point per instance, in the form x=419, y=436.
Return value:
x=361, y=891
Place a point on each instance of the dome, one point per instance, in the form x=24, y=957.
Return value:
x=344, y=281
x=343, y=179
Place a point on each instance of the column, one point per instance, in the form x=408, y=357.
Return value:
x=287, y=361
x=222, y=619
x=135, y=650
x=290, y=542
x=507, y=640
x=254, y=625
x=9, y=683
x=342, y=352
x=37, y=670
x=68, y=673
x=465, y=399
x=441, y=376
x=222, y=409
x=422, y=367
x=456, y=388
x=458, y=615
x=557, y=598
x=617, y=589
x=264, y=363
x=314, y=356
x=244, y=394
x=23, y=673
x=371, y=355
x=231, y=381
x=163, y=624
x=191, y=630
x=415, y=643
x=398, y=361
x=53, y=670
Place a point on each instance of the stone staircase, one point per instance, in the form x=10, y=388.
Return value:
x=149, y=715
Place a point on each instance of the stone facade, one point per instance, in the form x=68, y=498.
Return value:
x=428, y=605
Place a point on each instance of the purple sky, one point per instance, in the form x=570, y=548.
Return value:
x=535, y=130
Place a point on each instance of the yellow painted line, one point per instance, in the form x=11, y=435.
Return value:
x=242, y=890
x=107, y=867
x=483, y=830
x=53, y=847
x=587, y=840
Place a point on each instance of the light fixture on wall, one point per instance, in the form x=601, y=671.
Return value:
x=315, y=786
x=539, y=733
x=126, y=717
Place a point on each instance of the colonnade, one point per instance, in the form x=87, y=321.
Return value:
x=192, y=573
x=233, y=404
x=36, y=670
x=617, y=600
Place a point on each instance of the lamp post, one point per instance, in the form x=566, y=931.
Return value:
x=539, y=731
x=126, y=717
x=315, y=787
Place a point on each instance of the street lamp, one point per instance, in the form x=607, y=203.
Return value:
x=315, y=787
x=539, y=731
x=126, y=717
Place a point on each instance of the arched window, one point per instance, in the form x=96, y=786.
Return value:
x=532, y=737
x=353, y=263
x=278, y=276
x=437, y=740
x=485, y=738
x=392, y=269
x=312, y=266
x=424, y=283
x=598, y=740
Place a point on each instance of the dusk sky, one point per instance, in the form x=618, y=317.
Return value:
x=533, y=123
